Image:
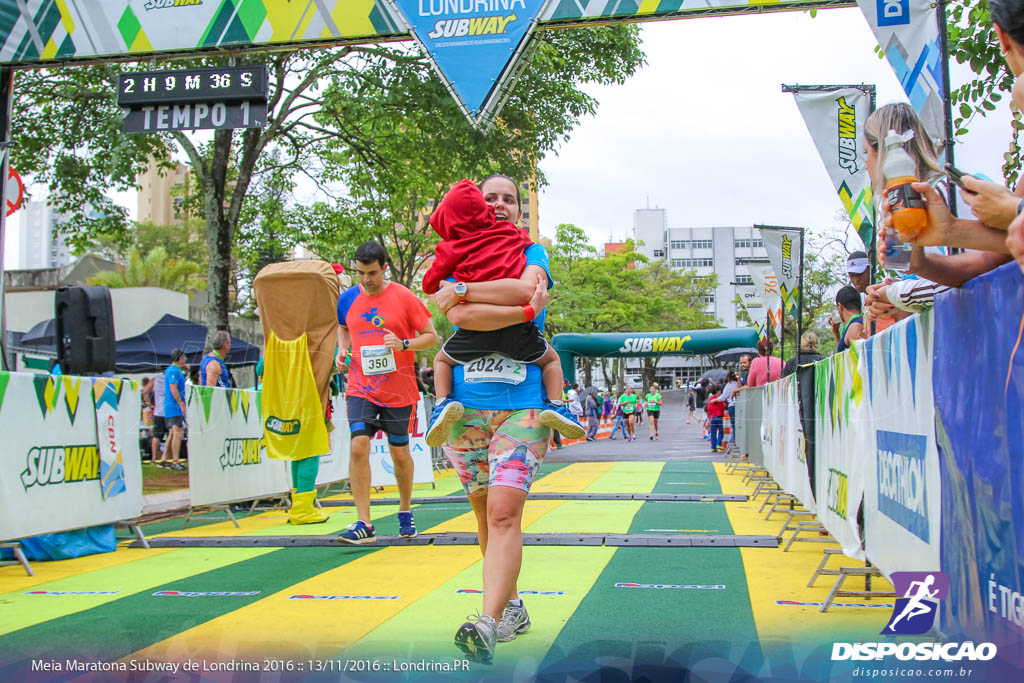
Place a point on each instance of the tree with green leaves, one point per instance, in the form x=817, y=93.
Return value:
x=154, y=269
x=620, y=292
x=402, y=141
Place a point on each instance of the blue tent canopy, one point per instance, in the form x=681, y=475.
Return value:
x=151, y=350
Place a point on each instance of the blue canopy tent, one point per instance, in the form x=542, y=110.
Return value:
x=151, y=350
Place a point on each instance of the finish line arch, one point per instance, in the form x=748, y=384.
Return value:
x=644, y=344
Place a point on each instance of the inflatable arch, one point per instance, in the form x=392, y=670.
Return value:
x=631, y=344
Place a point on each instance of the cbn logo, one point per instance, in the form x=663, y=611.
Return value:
x=893, y=12
x=283, y=427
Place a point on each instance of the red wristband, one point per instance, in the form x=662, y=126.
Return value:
x=530, y=313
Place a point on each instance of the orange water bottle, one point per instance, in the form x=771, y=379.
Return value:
x=907, y=206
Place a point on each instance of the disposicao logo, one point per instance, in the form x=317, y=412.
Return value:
x=893, y=12
x=195, y=594
x=914, y=614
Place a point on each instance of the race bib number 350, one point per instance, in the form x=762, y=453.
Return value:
x=377, y=360
x=495, y=368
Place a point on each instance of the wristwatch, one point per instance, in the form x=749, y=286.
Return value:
x=460, y=291
x=405, y=344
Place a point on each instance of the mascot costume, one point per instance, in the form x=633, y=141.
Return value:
x=298, y=304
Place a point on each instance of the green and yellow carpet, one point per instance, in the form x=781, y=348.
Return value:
x=654, y=612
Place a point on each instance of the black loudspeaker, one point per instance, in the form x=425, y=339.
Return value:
x=85, y=330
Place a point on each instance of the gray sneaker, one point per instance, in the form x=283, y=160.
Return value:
x=514, y=621
x=476, y=638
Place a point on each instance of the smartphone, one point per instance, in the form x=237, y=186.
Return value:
x=957, y=176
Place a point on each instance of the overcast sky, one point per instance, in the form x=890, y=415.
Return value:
x=705, y=131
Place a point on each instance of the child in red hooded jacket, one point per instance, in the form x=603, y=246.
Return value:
x=476, y=247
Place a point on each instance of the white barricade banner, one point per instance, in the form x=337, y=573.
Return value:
x=227, y=457
x=782, y=439
x=50, y=466
x=382, y=470
x=334, y=465
x=902, y=496
x=842, y=440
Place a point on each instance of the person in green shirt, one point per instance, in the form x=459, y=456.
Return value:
x=653, y=398
x=628, y=403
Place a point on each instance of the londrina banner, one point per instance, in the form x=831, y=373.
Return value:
x=978, y=381
x=902, y=495
x=783, y=246
x=473, y=45
x=227, y=455
x=842, y=438
x=51, y=470
x=835, y=119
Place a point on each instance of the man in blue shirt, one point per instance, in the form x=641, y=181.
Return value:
x=174, y=406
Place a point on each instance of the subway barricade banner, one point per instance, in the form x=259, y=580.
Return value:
x=748, y=424
x=382, y=469
x=227, y=458
x=334, y=465
x=842, y=440
x=902, y=496
x=782, y=438
x=51, y=470
x=978, y=380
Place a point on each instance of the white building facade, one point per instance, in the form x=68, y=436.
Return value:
x=725, y=251
x=38, y=245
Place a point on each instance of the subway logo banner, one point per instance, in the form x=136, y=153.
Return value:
x=475, y=46
x=227, y=453
x=52, y=464
x=784, y=248
x=835, y=120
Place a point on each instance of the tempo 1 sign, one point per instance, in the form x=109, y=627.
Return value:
x=193, y=99
x=196, y=116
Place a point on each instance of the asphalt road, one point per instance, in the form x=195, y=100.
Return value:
x=679, y=441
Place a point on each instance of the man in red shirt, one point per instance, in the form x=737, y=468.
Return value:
x=384, y=324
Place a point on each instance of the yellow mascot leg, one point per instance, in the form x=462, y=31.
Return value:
x=303, y=511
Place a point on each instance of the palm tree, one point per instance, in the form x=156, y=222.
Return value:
x=155, y=270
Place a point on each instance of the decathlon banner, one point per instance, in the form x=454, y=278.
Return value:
x=835, y=120
x=842, y=440
x=783, y=246
x=227, y=458
x=334, y=465
x=902, y=495
x=766, y=284
x=474, y=46
x=50, y=467
x=782, y=439
x=118, y=411
x=382, y=469
x=908, y=32
x=978, y=380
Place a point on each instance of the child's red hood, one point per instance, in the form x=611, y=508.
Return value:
x=462, y=212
